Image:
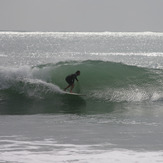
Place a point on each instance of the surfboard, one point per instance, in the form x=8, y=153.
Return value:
x=75, y=94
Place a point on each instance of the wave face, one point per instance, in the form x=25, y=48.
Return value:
x=39, y=89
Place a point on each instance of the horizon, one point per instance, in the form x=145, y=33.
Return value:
x=25, y=31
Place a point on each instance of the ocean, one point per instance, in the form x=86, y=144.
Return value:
x=120, y=118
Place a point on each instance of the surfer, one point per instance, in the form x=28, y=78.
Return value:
x=70, y=80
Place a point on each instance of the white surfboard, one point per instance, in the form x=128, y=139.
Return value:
x=75, y=94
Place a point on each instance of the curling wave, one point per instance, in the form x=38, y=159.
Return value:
x=105, y=82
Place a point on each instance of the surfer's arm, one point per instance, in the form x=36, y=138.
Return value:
x=76, y=79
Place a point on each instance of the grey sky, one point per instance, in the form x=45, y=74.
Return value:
x=81, y=15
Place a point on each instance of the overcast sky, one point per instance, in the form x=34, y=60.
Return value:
x=82, y=15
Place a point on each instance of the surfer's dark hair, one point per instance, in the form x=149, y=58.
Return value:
x=77, y=72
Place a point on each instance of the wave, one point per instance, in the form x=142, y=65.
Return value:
x=105, y=82
x=120, y=34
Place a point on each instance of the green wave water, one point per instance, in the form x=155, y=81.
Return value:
x=39, y=89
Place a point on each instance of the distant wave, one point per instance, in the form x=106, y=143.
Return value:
x=117, y=34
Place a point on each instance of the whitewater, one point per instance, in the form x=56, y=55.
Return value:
x=119, y=120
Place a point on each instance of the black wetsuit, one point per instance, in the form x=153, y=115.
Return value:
x=70, y=78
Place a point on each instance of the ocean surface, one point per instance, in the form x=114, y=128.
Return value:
x=119, y=120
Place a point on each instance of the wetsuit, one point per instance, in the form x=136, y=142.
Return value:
x=70, y=78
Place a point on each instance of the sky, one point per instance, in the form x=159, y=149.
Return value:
x=82, y=15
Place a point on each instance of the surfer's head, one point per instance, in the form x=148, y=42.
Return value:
x=77, y=72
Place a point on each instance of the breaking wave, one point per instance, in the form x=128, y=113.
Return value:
x=102, y=82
